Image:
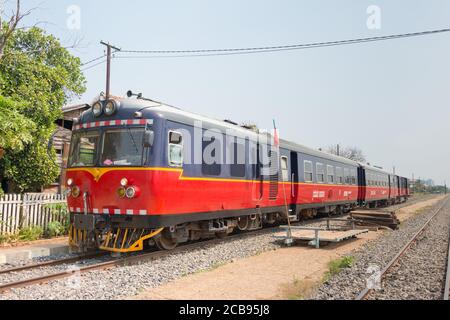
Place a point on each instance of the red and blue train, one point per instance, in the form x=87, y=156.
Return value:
x=137, y=174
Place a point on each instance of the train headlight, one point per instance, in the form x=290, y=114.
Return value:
x=121, y=192
x=131, y=192
x=75, y=191
x=69, y=182
x=97, y=109
x=110, y=107
x=124, y=182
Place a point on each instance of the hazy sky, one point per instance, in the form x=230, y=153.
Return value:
x=391, y=99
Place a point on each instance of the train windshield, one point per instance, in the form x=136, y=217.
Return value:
x=115, y=147
x=122, y=147
x=84, y=148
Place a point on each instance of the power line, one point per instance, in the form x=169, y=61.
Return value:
x=94, y=65
x=93, y=60
x=251, y=50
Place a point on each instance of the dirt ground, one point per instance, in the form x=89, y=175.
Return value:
x=287, y=273
x=36, y=242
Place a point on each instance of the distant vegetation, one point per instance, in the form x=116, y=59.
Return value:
x=420, y=187
x=352, y=153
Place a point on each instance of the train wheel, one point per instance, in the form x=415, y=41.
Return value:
x=165, y=243
x=243, y=223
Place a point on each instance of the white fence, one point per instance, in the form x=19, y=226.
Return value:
x=29, y=209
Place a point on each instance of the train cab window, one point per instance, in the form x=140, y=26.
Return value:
x=320, y=173
x=330, y=174
x=284, y=169
x=237, y=168
x=308, y=170
x=339, y=177
x=84, y=149
x=175, y=149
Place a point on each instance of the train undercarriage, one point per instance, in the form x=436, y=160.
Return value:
x=124, y=234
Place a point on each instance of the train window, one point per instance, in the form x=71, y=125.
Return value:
x=320, y=173
x=308, y=169
x=346, y=176
x=284, y=168
x=122, y=147
x=339, y=178
x=211, y=169
x=84, y=149
x=330, y=174
x=175, y=149
x=237, y=168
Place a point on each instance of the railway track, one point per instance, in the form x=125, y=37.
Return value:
x=447, y=276
x=124, y=261
x=364, y=294
x=51, y=263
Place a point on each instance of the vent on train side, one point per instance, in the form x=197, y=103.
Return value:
x=273, y=175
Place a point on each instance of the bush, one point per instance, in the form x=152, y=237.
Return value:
x=335, y=266
x=55, y=229
x=30, y=233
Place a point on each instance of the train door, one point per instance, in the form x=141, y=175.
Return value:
x=361, y=185
x=294, y=181
x=258, y=184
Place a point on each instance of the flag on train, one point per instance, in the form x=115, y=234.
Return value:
x=276, y=139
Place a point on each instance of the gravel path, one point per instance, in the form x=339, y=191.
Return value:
x=123, y=282
x=420, y=273
x=374, y=256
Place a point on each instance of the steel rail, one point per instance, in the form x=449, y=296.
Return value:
x=53, y=262
x=129, y=260
x=366, y=291
x=126, y=261
x=447, y=276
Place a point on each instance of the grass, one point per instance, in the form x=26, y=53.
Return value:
x=335, y=266
x=298, y=289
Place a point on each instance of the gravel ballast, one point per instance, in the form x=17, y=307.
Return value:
x=421, y=276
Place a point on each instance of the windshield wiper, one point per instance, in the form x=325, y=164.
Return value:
x=132, y=139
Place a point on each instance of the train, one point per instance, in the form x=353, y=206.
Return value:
x=143, y=173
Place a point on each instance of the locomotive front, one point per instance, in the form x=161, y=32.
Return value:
x=109, y=189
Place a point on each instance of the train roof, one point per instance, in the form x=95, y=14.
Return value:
x=372, y=168
x=157, y=109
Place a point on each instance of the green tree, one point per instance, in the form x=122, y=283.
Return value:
x=41, y=76
x=15, y=129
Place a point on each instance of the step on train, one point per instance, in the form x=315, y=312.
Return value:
x=134, y=178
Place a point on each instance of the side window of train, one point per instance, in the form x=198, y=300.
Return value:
x=237, y=168
x=339, y=178
x=284, y=168
x=330, y=174
x=346, y=176
x=308, y=170
x=175, y=149
x=211, y=169
x=320, y=172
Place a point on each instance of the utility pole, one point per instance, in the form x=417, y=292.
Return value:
x=445, y=186
x=337, y=150
x=108, y=65
x=393, y=170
